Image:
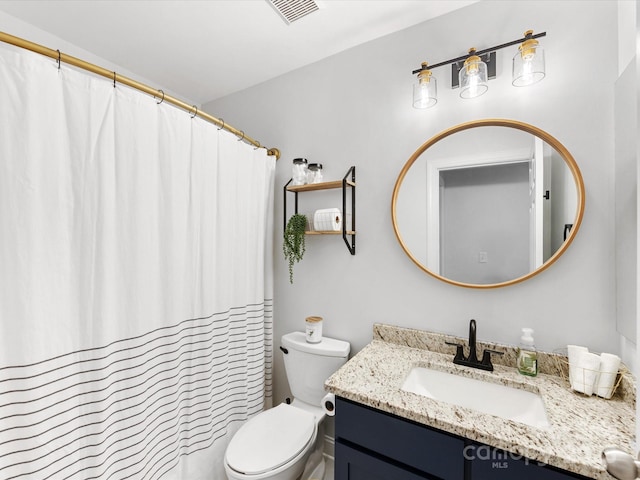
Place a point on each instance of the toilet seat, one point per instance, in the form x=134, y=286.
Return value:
x=270, y=439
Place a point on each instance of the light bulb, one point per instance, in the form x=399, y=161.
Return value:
x=473, y=85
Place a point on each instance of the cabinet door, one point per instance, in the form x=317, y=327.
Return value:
x=489, y=463
x=352, y=464
x=407, y=443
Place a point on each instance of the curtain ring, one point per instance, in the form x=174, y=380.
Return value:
x=161, y=100
x=114, y=79
x=242, y=137
x=196, y=113
x=58, y=59
x=257, y=146
x=221, y=126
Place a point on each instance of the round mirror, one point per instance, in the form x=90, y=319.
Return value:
x=488, y=203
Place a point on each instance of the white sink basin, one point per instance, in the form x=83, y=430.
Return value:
x=499, y=400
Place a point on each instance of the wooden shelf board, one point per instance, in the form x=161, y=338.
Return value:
x=319, y=186
x=349, y=232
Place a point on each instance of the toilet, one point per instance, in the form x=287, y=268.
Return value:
x=276, y=443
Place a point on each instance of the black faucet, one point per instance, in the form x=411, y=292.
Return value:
x=472, y=359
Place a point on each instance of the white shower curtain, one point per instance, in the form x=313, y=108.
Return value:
x=135, y=280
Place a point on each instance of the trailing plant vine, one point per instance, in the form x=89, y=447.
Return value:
x=293, y=246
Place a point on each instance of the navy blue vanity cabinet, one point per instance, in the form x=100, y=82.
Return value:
x=488, y=463
x=375, y=445
x=357, y=464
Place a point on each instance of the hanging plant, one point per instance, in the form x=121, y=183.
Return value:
x=293, y=246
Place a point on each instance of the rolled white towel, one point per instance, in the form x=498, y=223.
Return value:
x=586, y=374
x=609, y=366
x=574, y=352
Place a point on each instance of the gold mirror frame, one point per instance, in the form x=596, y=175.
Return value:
x=563, y=152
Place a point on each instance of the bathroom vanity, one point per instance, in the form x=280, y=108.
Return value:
x=385, y=432
x=372, y=444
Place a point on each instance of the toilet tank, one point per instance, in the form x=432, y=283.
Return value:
x=308, y=365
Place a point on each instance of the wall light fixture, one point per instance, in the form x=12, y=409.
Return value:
x=472, y=77
x=528, y=63
x=471, y=72
x=425, y=92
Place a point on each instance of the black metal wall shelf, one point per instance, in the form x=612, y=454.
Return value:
x=349, y=236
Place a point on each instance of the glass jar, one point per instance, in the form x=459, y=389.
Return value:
x=314, y=173
x=299, y=171
x=314, y=329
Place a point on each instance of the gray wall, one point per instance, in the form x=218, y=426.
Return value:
x=485, y=209
x=355, y=109
x=625, y=122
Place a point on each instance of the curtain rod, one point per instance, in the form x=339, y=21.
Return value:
x=76, y=62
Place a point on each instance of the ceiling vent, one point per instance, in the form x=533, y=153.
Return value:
x=292, y=10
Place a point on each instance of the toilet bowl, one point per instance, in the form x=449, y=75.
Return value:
x=273, y=445
x=276, y=443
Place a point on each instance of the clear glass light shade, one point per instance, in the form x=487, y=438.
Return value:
x=425, y=92
x=528, y=65
x=472, y=78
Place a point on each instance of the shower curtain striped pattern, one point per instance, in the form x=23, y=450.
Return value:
x=135, y=281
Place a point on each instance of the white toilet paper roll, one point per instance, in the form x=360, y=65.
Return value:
x=327, y=219
x=329, y=404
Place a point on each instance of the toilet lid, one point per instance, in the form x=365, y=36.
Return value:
x=270, y=439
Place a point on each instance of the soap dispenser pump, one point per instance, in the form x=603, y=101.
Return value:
x=527, y=356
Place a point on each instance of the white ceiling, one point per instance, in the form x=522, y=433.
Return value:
x=202, y=50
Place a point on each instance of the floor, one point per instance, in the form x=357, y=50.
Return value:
x=328, y=473
x=327, y=469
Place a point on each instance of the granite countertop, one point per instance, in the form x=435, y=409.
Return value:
x=581, y=427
